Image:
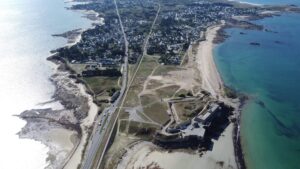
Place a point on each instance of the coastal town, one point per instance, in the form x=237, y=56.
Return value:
x=152, y=88
x=179, y=25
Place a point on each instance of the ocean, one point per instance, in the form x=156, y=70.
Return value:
x=270, y=75
x=25, y=41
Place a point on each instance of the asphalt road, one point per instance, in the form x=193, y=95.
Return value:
x=102, y=128
x=103, y=132
x=106, y=122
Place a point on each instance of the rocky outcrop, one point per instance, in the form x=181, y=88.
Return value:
x=42, y=123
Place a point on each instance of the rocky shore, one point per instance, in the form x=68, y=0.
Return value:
x=42, y=122
x=72, y=35
x=65, y=128
x=221, y=36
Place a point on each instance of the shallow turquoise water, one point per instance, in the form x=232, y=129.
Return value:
x=270, y=74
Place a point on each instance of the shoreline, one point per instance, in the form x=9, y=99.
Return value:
x=75, y=122
x=216, y=85
x=212, y=82
x=151, y=155
x=77, y=153
x=73, y=37
x=66, y=136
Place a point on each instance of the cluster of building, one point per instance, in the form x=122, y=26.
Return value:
x=185, y=133
x=137, y=18
x=178, y=25
x=103, y=44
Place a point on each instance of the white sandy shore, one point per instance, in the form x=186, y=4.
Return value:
x=211, y=80
x=64, y=142
x=146, y=154
x=75, y=155
x=65, y=145
x=78, y=151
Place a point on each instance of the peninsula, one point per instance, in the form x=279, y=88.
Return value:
x=141, y=88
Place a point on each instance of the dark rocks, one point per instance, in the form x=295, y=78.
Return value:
x=254, y=43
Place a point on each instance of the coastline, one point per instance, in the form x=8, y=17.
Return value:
x=74, y=36
x=214, y=84
x=146, y=154
x=211, y=82
x=64, y=129
x=54, y=127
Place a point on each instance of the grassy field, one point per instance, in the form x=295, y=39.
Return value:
x=147, y=66
x=100, y=84
x=167, y=92
x=157, y=112
x=138, y=129
x=187, y=110
x=154, y=108
x=153, y=84
x=148, y=99
x=181, y=92
x=164, y=69
x=78, y=68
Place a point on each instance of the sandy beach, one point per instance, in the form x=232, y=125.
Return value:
x=211, y=80
x=73, y=157
x=77, y=153
x=148, y=155
x=63, y=130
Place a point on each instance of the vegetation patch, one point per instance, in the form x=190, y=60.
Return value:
x=123, y=126
x=148, y=99
x=99, y=84
x=138, y=129
x=123, y=114
x=188, y=110
x=157, y=112
x=181, y=93
x=152, y=84
x=132, y=98
x=144, y=71
x=165, y=69
x=167, y=92
x=78, y=68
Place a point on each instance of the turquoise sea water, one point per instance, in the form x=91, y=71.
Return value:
x=270, y=74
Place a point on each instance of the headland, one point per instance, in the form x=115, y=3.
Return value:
x=174, y=105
